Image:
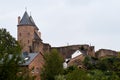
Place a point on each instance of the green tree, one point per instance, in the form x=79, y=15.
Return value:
x=69, y=69
x=88, y=62
x=10, y=58
x=53, y=65
x=102, y=75
x=77, y=74
x=60, y=77
x=8, y=44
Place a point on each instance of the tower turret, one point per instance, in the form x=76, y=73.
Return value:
x=28, y=34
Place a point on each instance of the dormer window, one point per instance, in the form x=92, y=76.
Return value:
x=26, y=56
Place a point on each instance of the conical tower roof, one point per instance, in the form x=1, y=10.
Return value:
x=32, y=21
x=27, y=21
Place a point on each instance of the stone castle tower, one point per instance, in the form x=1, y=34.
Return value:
x=28, y=34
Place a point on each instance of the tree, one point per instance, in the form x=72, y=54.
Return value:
x=8, y=44
x=97, y=74
x=88, y=62
x=77, y=74
x=53, y=65
x=10, y=57
x=60, y=77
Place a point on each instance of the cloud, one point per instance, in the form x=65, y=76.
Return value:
x=68, y=21
x=79, y=2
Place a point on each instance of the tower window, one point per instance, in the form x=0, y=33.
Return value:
x=28, y=41
x=28, y=34
x=19, y=34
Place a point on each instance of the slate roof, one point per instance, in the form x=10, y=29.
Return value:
x=31, y=19
x=27, y=20
x=30, y=56
x=36, y=37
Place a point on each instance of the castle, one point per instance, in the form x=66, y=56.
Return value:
x=30, y=39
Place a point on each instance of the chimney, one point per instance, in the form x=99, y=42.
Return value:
x=19, y=20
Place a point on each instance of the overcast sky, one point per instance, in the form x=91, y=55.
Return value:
x=63, y=22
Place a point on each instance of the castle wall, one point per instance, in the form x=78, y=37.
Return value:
x=106, y=53
x=38, y=46
x=46, y=48
x=67, y=51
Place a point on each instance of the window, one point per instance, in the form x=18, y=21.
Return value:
x=19, y=34
x=28, y=34
x=28, y=41
x=37, y=70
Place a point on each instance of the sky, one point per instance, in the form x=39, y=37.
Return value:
x=68, y=22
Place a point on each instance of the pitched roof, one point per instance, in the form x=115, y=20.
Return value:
x=27, y=20
x=30, y=57
x=36, y=36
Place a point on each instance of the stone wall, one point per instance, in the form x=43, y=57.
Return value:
x=46, y=47
x=25, y=36
x=67, y=51
x=77, y=61
x=105, y=53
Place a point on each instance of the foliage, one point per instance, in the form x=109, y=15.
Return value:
x=69, y=69
x=102, y=75
x=108, y=65
x=53, y=65
x=88, y=63
x=8, y=44
x=24, y=74
x=77, y=74
x=97, y=69
x=94, y=74
x=10, y=58
x=9, y=48
x=111, y=64
x=60, y=77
